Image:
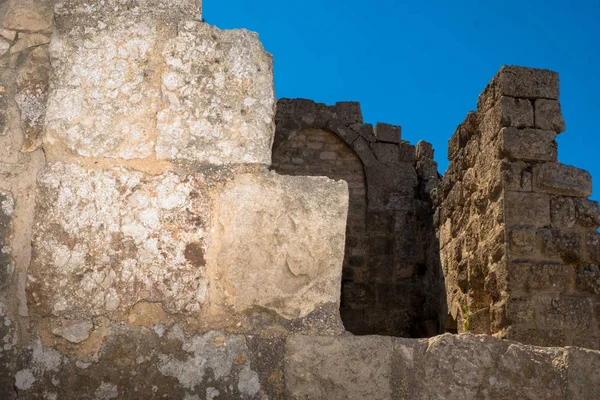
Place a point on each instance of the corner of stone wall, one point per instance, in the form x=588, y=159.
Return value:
x=141, y=231
x=517, y=232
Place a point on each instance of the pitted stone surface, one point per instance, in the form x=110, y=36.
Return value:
x=447, y=367
x=105, y=88
x=279, y=243
x=200, y=95
x=95, y=9
x=108, y=239
x=220, y=104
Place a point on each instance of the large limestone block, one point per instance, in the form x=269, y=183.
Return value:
x=447, y=367
x=132, y=86
x=562, y=179
x=278, y=243
x=105, y=240
x=520, y=82
x=163, y=362
x=105, y=88
x=220, y=102
x=481, y=367
x=339, y=368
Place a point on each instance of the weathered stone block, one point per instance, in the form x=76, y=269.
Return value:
x=522, y=242
x=528, y=144
x=339, y=368
x=583, y=373
x=548, y=115
x=588, y=213
x=564, y=312
x=386, y=153
x=500, y=370
x=388, y=133
x=97, y=111
x=525, y=277
x=524, y=208
x=169, y=10
x=507, y=112
x=564, y=245
x=364, y=130
x=348, y=112
x=427, y=168
x=32, y=81
x=516, y=176
x=563, y=212
x=424, y=150
x=28, y=41
x=587, y=279
x=513, y=81
x=238, y=77
x=562, y=179
x=593, y=247
x=407, y=152
x=537, y=337
x=105, y=240
x=28, y=16
x=388, y=185
x=7, y=210
x=295, y=264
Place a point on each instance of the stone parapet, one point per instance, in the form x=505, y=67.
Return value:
x=463, y=367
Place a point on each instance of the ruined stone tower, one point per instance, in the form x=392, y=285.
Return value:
x=149, y=249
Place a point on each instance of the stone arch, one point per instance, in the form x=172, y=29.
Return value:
x=385, y=272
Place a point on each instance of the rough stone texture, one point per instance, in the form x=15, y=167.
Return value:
x=556, y=178
x=137, y=364
x=207, y=94
x=7, y=210
x=237, y=76
x=109, y=239
x=513, y=223
x=28, y=16
x=445, y=367
x=294, y=265
x=339, y=368
x=519, y=82
x=392, y=280
x=152, y=267
x=528, y=144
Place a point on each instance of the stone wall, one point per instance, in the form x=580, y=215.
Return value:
x=448, y=367
x=148, y=252
x=518, y=235
x=130, y=207
x=392, y=282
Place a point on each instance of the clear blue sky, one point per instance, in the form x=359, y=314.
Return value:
x=422, y=64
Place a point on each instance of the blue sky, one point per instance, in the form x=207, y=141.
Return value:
x=422, y=64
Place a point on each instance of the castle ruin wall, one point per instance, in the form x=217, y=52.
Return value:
x=147, y=251
x=518, y=235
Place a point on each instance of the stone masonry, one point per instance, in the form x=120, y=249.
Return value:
x=518, y=236
x=392, y=282
x=147, y=251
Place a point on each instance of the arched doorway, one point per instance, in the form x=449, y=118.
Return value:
x=317, y=152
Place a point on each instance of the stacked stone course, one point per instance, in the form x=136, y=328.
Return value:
x=392, y=281
x=518, y=234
